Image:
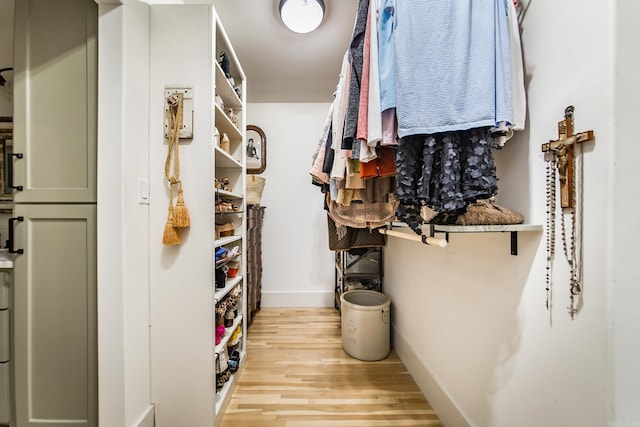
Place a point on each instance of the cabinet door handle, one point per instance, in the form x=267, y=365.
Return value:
x=10, y=241
x=10, y=172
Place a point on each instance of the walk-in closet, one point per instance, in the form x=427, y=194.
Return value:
x=220, y=213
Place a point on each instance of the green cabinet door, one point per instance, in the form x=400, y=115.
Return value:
x=55, y=101
x=55, y=324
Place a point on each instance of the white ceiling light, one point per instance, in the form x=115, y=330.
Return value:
x=302, y=16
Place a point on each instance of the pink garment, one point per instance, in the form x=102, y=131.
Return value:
x=374, y=136
x=316, y=168
x=318, y=160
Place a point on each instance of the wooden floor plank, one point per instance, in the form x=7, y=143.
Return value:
x=297, y=375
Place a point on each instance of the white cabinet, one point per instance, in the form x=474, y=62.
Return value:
x=53, y=310
x=5, y=390
x=55, y=108
x=55, y=355
x=6, y=267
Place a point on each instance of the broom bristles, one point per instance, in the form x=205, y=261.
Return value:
x=181, y=213
x=171, y=235
x=181, y=218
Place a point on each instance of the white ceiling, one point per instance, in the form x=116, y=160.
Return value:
x=280, y=65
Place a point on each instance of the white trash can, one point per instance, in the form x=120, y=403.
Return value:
x=365, y=324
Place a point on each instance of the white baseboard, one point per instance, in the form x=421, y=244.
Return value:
x=148, y=419
x=297, y=299
x=447, y=411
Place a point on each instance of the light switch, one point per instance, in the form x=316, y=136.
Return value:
x=143, y=191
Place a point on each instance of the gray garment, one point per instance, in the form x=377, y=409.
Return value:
x=356, y=54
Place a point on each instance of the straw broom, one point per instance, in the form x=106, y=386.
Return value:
x=178, y=216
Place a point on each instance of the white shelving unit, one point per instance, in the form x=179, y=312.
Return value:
x=186, y=41
x=230, y=165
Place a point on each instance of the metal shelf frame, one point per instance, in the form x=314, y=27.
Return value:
x=347, y=261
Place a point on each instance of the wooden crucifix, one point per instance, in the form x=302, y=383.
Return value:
x=562, y=148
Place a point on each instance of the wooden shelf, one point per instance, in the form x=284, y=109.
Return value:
x=484, y=228
x=513, y=229
x=225, y=125
x=224, y=89
x=225, y=160
x=230, y=284
x=229, y=194
x=226, y=240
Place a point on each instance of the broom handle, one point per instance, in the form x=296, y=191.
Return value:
x=432, y=241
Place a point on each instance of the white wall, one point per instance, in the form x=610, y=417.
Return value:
x=625, y=270
x=181, y=277
x=135, y=217
x=297, y=263
x=123, y=230
x=472, y=318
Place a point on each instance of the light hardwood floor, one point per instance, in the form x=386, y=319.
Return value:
x=297, y=374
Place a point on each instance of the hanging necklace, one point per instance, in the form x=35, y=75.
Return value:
x=575, y=245
x=551, y=222
x=569, y=240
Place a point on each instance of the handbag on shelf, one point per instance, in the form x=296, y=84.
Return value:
x=255, y=185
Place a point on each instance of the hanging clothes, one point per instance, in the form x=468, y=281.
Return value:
x=453, y=84
x=446, y=171
x=338, y=119
x=386, y=55
x=517, y=70
x=452, y=65
x=367, y=152
x=435, y=87
x=356, y=51
x=386, y=72
x=374, y=119
x=317, y=172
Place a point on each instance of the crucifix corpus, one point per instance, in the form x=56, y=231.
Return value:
x=560, y=155
x=563, y=148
